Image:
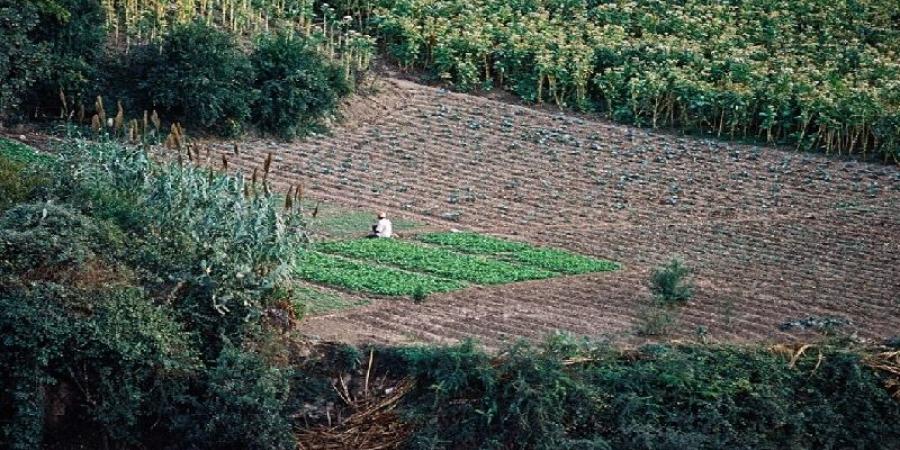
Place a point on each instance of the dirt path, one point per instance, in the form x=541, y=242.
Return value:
x=774, y=235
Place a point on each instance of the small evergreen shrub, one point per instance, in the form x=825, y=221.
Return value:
x=670, y=285
x=419, y=294
x=296, y=85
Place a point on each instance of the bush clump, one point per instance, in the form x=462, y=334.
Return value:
x=75, y=36
x=55, y=61
x=246, y=404
x=22, y=61
x=296, y=85
x=17, y=182
x=105, y=365
x=120, y=332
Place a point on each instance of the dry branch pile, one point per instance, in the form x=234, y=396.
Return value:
x=374, y=423
x=889, y=364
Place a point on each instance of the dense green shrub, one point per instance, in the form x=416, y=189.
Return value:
x=54, y=59
x=225, y=242
x=472, y=401
x=116, y=344
x=75, y=37
x=296, y=84
x=18, y=182
x=47, y=47
x=246, y=404
x=197, y=76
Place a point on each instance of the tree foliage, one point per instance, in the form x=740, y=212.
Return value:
x=49, y=51
x=199, y=77
x=296, y=84
x=22, y=61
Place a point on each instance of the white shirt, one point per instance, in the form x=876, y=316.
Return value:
x=384, y=228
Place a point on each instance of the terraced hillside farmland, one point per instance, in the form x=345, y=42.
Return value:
x=775, y=236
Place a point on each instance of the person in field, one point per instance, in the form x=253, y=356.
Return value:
x=382, y=228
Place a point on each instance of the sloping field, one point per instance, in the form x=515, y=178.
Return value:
x=774, y=235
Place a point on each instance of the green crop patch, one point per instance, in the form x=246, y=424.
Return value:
x=369, y=278
x=440, y=262
x=551, y=259
x=435, y=260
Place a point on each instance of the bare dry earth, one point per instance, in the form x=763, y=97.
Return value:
x=774, y=235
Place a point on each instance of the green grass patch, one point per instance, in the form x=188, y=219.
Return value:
x=314, y=302
x=369, y=278
x=18, y=176
x=18, y=152
x=435, y=260
x=551, y=259
x=337, y=222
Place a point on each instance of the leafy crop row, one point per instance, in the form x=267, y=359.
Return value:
x=363, y=277
x=474, y=243
x=563, y=261
x=544, y=258
x=436, y=261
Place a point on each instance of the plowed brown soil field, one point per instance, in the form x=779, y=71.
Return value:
x=773, y=235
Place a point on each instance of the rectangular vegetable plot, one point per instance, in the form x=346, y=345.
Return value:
x=544, y=258
x=436, y=261
x=373, y=279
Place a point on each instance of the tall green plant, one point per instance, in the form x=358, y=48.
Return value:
x=227, y=240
